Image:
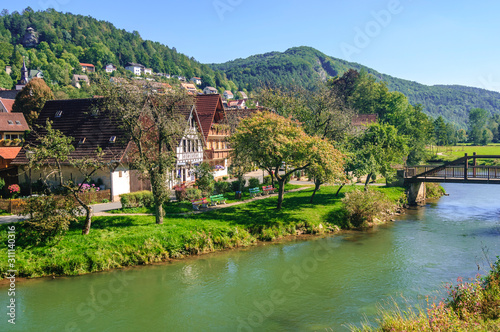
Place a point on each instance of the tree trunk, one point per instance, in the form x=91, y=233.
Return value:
x=159, y=213
x=340, y=188
x=281, y=192
x=317, y=184
x=88, y=220
x=367, y=181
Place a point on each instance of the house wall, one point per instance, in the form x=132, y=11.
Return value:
x=120, y=182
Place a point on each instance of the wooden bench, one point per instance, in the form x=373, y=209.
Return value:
x=199, y=203
x=255, y=192
x=268, y=189
x=217, y=199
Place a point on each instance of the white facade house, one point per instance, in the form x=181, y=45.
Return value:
x=109, y=68
x=196, y=80
x=228, y=95
x=135, y=68
x=147, y=71
x=210, y=90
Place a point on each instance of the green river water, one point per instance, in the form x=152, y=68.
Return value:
x=318, y=284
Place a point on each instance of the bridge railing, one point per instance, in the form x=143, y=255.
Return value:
x=455, y=171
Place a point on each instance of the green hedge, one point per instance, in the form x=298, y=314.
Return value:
x=137, y=199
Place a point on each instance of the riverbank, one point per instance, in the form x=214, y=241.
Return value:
x=119, y=241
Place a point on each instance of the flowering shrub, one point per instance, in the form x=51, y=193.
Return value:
x=14, y=189
x=85, y=188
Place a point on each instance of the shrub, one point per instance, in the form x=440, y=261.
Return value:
x=434, y=190
x=363, y=207
x=205, y=178
x=14, y=190
x=267, y=180
x=222, y=187
x=238, y=185
x=49, y=220
x=193, y=194
x=180, y=193
x=253, y=182
x=137, y=199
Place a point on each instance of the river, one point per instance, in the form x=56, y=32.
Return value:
x=318, y=284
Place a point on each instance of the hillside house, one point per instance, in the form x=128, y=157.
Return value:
x=35, y=73
x=243, y=95
x=78, y=80
x=210, y=90
x=189, y=87
x=196, y=80
x=87, y=67
x=228, y=95
x=138, y=69
x=109, y=68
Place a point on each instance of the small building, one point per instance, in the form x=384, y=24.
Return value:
x=210, y=90
x=87, y=67
x=228, y=95
x=181, y=78
x=147, y=71
x=12, y=127
x=189, y=87
x=196, y=80
x=135, y=68
x=78, y=80
x=243, y=95
x=6, y=105
x=35, y=73
x=109, y=68
x=239, y=104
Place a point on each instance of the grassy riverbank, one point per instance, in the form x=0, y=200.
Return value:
x=118, y=241
x=470, y=306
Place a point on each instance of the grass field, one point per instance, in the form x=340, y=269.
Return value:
x=448, y=153
x=119, y=241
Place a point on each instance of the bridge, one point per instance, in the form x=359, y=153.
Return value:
x=460, y=170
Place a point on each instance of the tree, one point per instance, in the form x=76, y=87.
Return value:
x=376, y=150
x=478, y=119
x=155, y=124
x=50, y=152
x=326, y=164
x=440, y=131
x=269, y=140
x=205, y=178
x=31, y=99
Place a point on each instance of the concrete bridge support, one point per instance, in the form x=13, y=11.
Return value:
x=416, y=193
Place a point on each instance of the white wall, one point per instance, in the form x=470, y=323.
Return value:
x=120, y=182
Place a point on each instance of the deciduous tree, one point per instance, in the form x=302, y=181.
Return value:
x=31, y=99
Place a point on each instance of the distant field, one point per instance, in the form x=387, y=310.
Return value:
x=454, y=152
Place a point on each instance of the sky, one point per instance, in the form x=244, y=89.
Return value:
x=430, y=42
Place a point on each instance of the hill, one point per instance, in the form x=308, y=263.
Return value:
x=306, y=66
x=60, y=41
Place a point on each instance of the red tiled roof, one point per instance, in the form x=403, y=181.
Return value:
x=7, y=103
x=364, y=119
x=18, y=124
x=9, y=153
x=210, y=110
x=78, y=121
x=86, y=65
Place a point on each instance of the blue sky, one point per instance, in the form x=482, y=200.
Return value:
x=431, y=42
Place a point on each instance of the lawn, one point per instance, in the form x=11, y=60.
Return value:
x=448, y=153
x=119, y=241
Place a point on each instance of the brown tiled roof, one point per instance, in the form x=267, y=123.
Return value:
x=14, y=122
x=78, y=121
x=7, y=103
x=9, y=153
x=210, y=110
x=364, y=119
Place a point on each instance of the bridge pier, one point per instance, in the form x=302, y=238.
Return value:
x=416, y=193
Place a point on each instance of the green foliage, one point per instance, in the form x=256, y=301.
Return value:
x=267, y=180
x=479, y=134
x=205, y=178
x=137, y=199
x=2, y=183
x=253, y=182
x=238, y=185
x=193, y=194
x=362, y=208
x=49, y=219
x=31, y=99
x=222, y=187
x=434, y=190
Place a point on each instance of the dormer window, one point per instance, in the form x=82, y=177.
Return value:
x=112, y=139
x=18, y=122
x=82, y=140
x=10, y=122
x=59, y=114
x=95, y=112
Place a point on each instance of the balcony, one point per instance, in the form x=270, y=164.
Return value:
x=212, y=154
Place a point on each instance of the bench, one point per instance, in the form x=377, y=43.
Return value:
x=268, y=190
x=217, y=199
x=254, y=192
x=200, y=202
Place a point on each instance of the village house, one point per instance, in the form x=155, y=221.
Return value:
x=228, y=95
x=6, y=105
x=210, y=90
x=189, y=87
x=35, y=73
x=13, y=127
x=214, y=132
x=87, y=67
x=243, y=95
x=138, y=69
x=78, y=80
x=196, y=80
x=109, y=68
x=239, y=104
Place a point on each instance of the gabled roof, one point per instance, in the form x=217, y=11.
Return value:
x=7, y=103
x=228, y=92
x=210, y=110
x=133, y=64
x=86, y=64
x=8, y=94
x=9, y=153
x=75, y=118
x=13, y=122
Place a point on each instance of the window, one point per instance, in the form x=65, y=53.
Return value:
x=82, y=140
x=18, y=122
x=120, y=174
x=59, y=114
x=185, y=145
x=10, y=122
x=112, y=139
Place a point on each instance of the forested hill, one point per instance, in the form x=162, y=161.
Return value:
x=307, y=66
x=65, y=40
